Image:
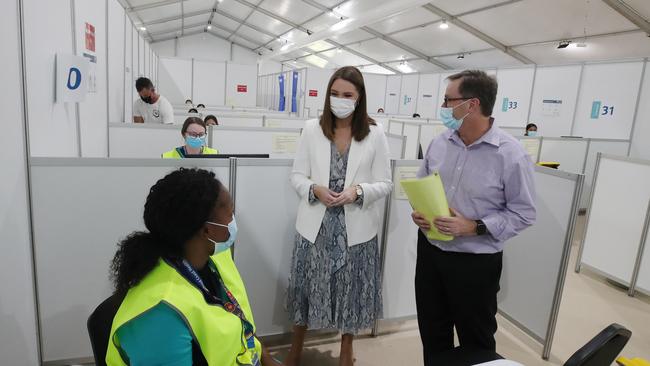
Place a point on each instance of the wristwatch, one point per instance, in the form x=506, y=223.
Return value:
x=481, y=229
x=359, y=190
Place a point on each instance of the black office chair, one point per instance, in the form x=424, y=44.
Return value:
x=603, y=349
x=99, y=326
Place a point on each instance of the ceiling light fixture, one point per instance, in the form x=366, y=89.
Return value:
x=143, y=28
x=460, y=56
x=339, y=50
x=563, y=44
x=444, y=24
x=286, y=46
x=209, y=26
x=340, y=25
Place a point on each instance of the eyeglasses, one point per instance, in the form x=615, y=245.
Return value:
x=453, y=99
x=196, y=135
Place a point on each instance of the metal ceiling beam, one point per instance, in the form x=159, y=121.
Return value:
x=153, y=5
x=256, y=43
x=170, y=37
x=630, y=14
x=198, y=31
x=179, y=29
x=274, y=16
x=232, y=34
x=365, y=57
x=477, y=33
x=406, y=48
x=242, y=21
x=177, y=17
x=231, y=41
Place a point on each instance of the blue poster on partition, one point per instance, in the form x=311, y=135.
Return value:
x=294, y=90
x=281, y=94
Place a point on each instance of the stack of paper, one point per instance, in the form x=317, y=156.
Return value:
x=427, y=196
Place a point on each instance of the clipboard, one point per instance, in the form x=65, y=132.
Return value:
x=427, y=196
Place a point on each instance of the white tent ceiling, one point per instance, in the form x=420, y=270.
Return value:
x=402, y=36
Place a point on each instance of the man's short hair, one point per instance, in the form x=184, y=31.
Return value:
x=478, y=84
x=143, y=83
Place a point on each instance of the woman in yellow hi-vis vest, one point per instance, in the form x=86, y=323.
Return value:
x=194, y=133
x=185, y=303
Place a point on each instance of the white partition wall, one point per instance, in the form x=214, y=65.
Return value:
x=129, y=80
x=70, y=288
x=175, y=79
x=375, y=91
x=116, y=66
x=641, y=134
x=396, y=145
x=607, y=102
x=599, y=146
x=570, y=153
x=209, y=81
x=409, y=94
x=616, y=217
x=241, y=84
x=315, y=89
x=428, y=95
x=552, y=106
x=277, y=142
x=142, y=140
x=393, y=85
x=266, y=215
x=513, y=96
x=412, y=133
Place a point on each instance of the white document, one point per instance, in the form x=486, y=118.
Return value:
x=401, y=173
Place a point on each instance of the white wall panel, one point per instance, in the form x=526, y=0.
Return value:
x=513, y=97
x=165, y=48
x=52, y=126
x=641, y=134
x=317, y=80
x=175, y=79
x=136, y=54
x=428, y=95
x=408, y=94
x=93, y=110
x=209, y=82
x=129, y=80
x=18, y=343
x=204, y=47
x=393, y=85
x=116, y=65
x=554, y=99
x=243, y=75
x=375, y=91
x=607, y=86
x=141, y=59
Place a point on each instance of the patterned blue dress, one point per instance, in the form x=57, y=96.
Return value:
x=332, y=285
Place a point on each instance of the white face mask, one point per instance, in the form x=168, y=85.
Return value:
x=342, y=107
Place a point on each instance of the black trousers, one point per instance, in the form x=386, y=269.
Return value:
x=455, y=290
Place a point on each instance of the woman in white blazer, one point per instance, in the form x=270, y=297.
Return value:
x=341, y=172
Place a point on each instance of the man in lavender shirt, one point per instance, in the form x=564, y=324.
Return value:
x=488, y=179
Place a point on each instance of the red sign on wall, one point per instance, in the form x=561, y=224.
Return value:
x=242, y=88
x=90, y=37
x=313, y=93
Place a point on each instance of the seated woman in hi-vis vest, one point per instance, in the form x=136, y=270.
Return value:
x=185, y=302
x=194, y=133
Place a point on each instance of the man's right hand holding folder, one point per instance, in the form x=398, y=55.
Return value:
x=454, y=225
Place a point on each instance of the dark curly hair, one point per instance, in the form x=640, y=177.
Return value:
x=177, y=206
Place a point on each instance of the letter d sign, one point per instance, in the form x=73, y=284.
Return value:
x=77, y=78
x=71, y=75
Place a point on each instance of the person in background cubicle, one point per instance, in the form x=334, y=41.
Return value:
x=380, y=110
x=416, y=115
x=151, y=107
x=200, y=106
x=192, y=110
x=194, y=133
x=489, y=184
x=188, y=102
x=211, y=120
x=531, y=130
x=183, y=299
x=341, y=172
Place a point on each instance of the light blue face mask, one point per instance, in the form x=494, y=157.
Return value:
x=448, y=119
x=195, y=142
x=232, y=230
x=532, y=133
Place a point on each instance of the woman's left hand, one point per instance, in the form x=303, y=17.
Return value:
x=349, y=195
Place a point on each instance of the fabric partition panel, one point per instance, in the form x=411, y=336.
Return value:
x=641, y=134
x=513, y=96
x=596, y=146
x=396, y=145
x=116, y=67
x=428, y=132
x=281, y=90
x=209, y=83
x=412, y=134
x=277, y=142
x=607, y=101
x=294, y=92
x=393, y=86
x=409, y=94
x=129, y=81
x=241, y=85
x=142, y=140
x=428, y=95
x=175, y=79
x=266, y=214
x=552, y=106
x=535, y=262
x=241, y=121
x=90, y=229
x=621, y=202
x=375, y=91
x=570, y=153
x=284, y=122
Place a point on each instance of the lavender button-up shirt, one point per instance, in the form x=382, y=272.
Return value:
x=490, y=180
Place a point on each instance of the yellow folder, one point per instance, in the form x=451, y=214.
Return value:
x=427, y=196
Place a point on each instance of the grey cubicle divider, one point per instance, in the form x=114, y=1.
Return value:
x=595, y=146
x=396, y=145
x=277, y=142
x=142, y=140
x=571, y=153
x=103, y=201
x=266, y=207
x=617, y=220
x=535, y=262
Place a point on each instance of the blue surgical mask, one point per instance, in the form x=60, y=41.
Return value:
x=448, y=119
x=195, y=142
x=232, y=230
x=532, y=133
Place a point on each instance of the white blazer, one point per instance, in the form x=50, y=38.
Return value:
x=368, y=166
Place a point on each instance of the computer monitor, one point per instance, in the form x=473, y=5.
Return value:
x=227, y=156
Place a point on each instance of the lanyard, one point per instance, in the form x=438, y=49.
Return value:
x=231, y=305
